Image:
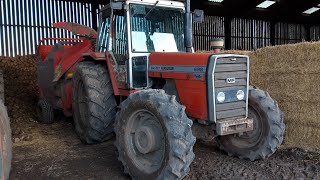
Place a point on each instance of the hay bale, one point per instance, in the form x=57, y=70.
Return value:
x=290, y=73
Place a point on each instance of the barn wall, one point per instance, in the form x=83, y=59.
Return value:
x=24, y=22
x=315, y=33
x=251, y=34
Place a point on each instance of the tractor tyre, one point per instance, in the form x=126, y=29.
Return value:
x=93, y=103
x=268, y=131
x=45, y=112
x=1, y=86
x=154, y=137
x=5, y=143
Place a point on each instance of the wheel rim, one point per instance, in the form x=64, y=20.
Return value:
x=252, y=138
x=145, y=141
x=82, y=104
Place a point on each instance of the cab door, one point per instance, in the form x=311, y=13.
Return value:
x=113, y=39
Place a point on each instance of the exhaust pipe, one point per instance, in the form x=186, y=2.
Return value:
x=188, y=28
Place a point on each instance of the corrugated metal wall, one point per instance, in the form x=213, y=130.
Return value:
x=24, y=22
x=213, y=27
x=248, y=34
x=287, y=33
x=315, y=33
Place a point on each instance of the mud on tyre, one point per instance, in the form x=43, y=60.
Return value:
x=93, y=104
x=154, y=138
x=268, y=131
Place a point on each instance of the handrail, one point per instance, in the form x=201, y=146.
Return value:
x=59, y=39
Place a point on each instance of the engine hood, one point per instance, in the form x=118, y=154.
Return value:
x=192, y=66
x=179, y=59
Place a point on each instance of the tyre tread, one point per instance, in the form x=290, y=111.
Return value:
x=179, y=132
x=277, y=128
x=101, y=102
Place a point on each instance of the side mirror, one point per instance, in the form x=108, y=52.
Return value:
x=198, y=16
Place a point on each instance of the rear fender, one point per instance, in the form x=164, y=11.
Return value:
x=111, y=64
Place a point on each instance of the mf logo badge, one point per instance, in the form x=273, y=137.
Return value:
x=231, y=80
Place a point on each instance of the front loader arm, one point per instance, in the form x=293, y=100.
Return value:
x=77, y=29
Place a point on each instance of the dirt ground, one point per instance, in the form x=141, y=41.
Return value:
x=55, y=152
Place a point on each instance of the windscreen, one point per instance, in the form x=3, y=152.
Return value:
x=156, y=29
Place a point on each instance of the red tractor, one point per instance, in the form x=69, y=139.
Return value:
x=137, y=77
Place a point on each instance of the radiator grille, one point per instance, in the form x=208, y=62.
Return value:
x=234, y=68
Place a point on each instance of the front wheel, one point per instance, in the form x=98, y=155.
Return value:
x=268, y=131
x=154, y=137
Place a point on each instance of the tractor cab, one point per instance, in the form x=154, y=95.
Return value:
x=131, y=30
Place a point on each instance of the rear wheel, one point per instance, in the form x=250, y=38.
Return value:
x=268, y=131
x=93, y=103
x=5, y=143
x=154, y=137
x=45, y=112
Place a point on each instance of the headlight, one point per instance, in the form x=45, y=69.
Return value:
x=240, y=95
x=221, y=97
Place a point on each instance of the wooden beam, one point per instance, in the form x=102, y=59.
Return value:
x=95, y=8
x=273, y=33
x=227, y=33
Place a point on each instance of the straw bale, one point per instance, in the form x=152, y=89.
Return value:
x=290, y=73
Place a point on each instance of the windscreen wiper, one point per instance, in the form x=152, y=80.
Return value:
x=154, y=6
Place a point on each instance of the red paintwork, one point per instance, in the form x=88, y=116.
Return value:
x=65, y=60
x=192, y=92
x=67, y=100
x=216, y=51
x=193, y=95
x=116, y=90
x=112, y=76
x=126, y=92
x=44, y=50
x=179, y=59
x=98, y=56
x=72, y=55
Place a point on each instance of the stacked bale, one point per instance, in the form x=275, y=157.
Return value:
x=291, y=74
x=20, y=88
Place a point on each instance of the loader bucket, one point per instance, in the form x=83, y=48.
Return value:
x=77, y=29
